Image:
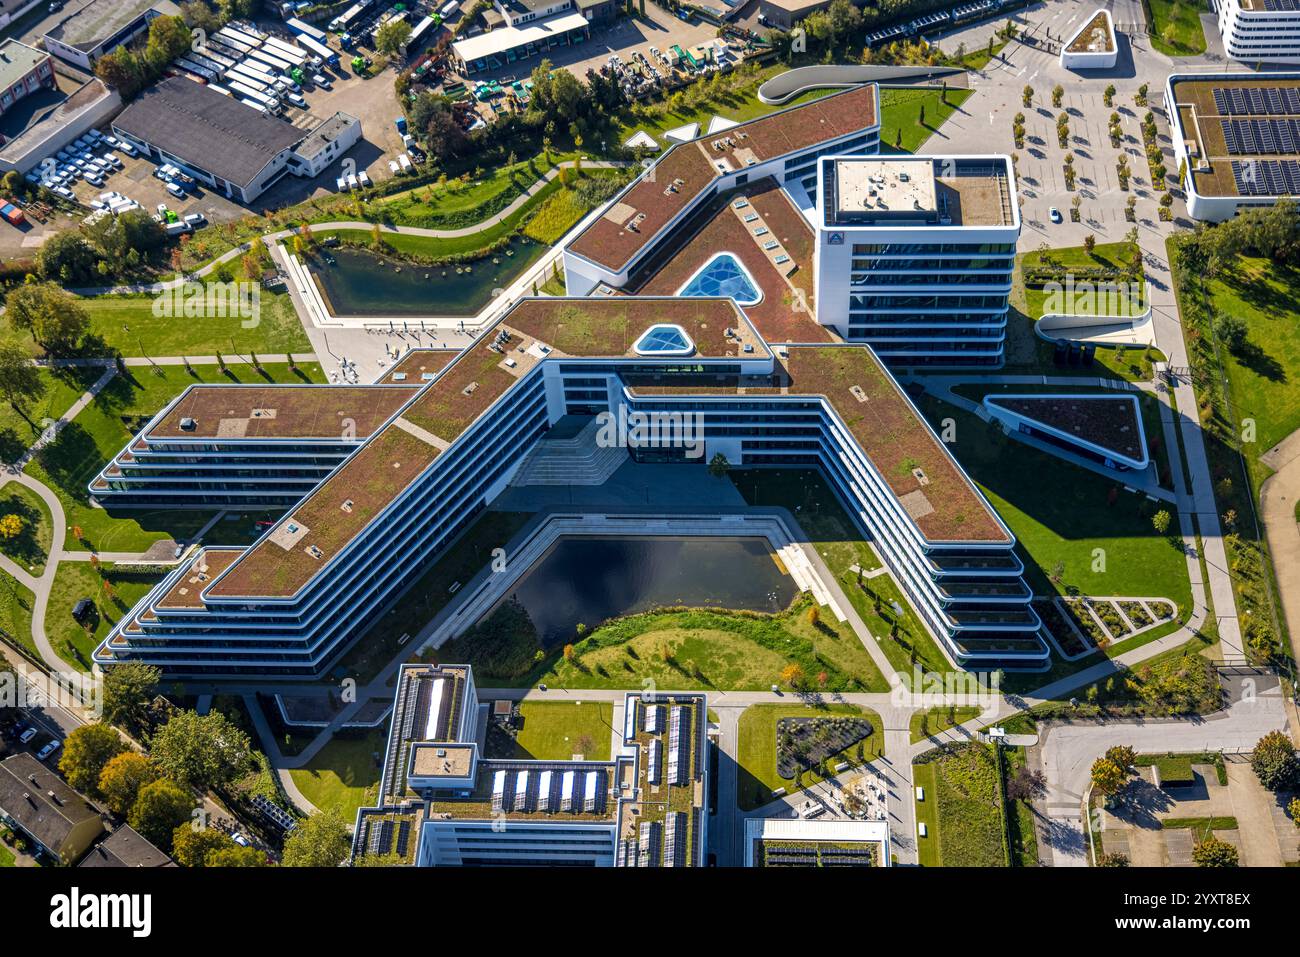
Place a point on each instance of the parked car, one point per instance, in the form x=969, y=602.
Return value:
x=49, y=749
x=27, y=735
x=1054, y=214
x=322, y=81
x=175, y=190
x=195, y=219
x=95, y=179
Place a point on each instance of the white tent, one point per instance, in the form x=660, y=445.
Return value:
x=683, y=134
x=642, y=139
x=719, y=123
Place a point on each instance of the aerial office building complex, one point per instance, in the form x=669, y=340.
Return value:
x=722, y=325
x=1260, y=31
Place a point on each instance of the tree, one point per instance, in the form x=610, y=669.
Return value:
x=1108, y=95
x=1274, y=762
x=1058, y=94
x=236, y=856
x=1213, y=852
x=20, y=381
x=1108, y=777
x=55, y=320
x=1027, y=784
x=1123, y=756
x=1112, y=860
x=320, y=841
x=122, y=778
x=392, y=37
x=67, y=257
x=121, y=70
x=718, y=465
x=201, y=751
x=792, y=674
x=128, y=689
x=86, y=752
x=169, y=38
x=1232, y=330
x=1089, y=241
x=1160, y=521
x=1027, y=96
x=1293, y=811
x=11, y=526
x=207, y=847
x=161, y=808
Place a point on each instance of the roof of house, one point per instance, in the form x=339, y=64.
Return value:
x=657, y=196
x=214, y=132
x=98, y=21
x=125, y=847
x=40, y=801
x=17, y=60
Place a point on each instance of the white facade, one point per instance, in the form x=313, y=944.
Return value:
x=919, y=287
x=1254, y=33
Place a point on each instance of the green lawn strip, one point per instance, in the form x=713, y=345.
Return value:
x=105, y=426
x=686, y=649
x=30, y=548
x=76, y=580
x=453, y=566
x=967, y=793
x=1201, y=823
x=127, y=325
x=1021, y=832
x=939, y=719
x=1148, y=403
x=1060, y=513
x=344, y=774
x=63, y=387
x=16, y=604
x=557, y=730
x=929, y=848
x=1178, y=767
x=756, y=748
x=901, y=128
x=6, y=856
x=1175, y=26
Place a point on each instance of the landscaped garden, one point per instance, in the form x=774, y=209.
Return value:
x=805, y=744
x=1175, y=26
x=802, y=648
x=344, y=774
x=756, y=754
x=962, y=809
x=112, y=593
x=936, y=720
x=26, y=540
x=557, y=730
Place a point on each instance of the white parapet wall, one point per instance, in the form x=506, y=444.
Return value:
x=1093, y=46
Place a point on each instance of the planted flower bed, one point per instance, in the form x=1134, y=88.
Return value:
x=804, y=743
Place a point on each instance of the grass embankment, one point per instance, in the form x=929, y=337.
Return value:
x=963, y=808
x=937, y=720
x=685, y=649
x=30, y=547
x=114, y=594
x=756, y=748
x=16, y=604
x=106, y=425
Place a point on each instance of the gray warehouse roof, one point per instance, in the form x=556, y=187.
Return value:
x=17, y=60
x=40, y=801
x=125, y=847
x=214, y=132
x=92, y=24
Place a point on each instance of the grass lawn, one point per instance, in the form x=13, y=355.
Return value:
x=965, y=816
x=344, y=774
x=927, y=848
x=822, y=517
x=1175, y=26
x=106, y=425
x=557, y=730
x=901, y=127
x=30, y=548
x=16, y=603
x=127, y=325
x=696, y=650
x=1020, y=816
x=76, y=580
x=939, y=719
x=18, y=430
x=6, y=856
x=756, y=749
x=1060, y=513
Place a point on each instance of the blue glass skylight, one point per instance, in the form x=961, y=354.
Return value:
x=664, y=340
x=723, y=276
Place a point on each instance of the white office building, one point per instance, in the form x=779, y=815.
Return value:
x=915, y=255
x=1260, y=31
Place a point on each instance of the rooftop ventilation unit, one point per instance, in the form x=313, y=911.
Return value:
x=188, y=424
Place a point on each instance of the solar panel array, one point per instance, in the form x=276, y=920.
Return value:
x=1257, y=101
x=1282, y=6
x=1267, y=177
x=1261, y=136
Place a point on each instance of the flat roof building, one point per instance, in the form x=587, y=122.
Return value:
x=227, y=144
x=1259, y=31
x=100, y=27
x=785, y=842
x=1236, y=139
x=531, y=28
x=23, y=70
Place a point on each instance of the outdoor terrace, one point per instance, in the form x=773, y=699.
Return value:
x=280, y=412
x=207, y=565
x=785, y=313
x=888, y=191
x=614, y=239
